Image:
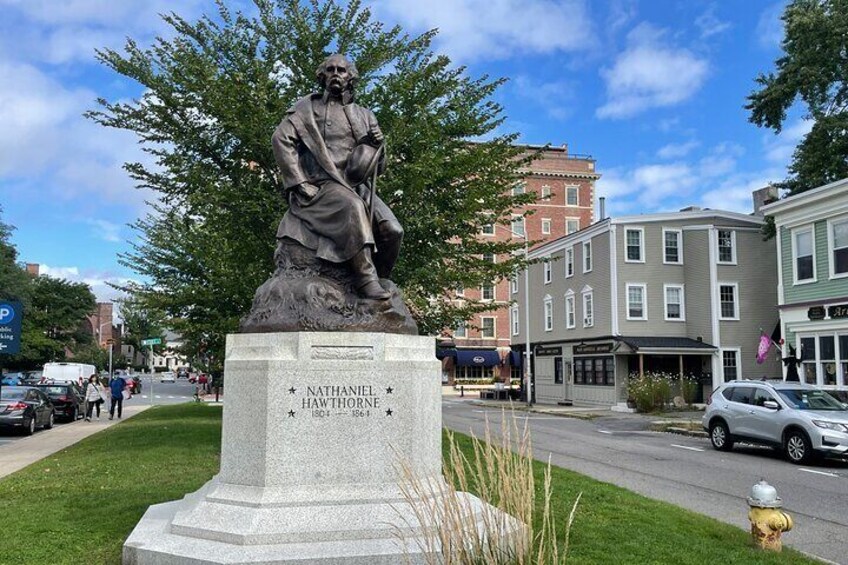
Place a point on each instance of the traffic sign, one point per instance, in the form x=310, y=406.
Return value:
x=11, y=314
x=151, y=341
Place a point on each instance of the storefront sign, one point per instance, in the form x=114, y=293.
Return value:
x=592, y=348
x=838, y=311
x=548, y=351
x=816, y=313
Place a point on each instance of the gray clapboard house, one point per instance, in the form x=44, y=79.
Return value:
x=689, y=292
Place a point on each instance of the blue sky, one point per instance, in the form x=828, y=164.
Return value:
x=653, y=89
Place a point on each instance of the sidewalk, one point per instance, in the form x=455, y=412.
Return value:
x=19, y=454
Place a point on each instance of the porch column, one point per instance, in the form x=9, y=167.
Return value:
x=641, y=365
x=681, y=365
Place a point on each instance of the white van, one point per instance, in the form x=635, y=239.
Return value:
x=67, y=372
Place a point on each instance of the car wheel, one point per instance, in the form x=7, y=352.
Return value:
x=720, y=436
x=30, y=427
x=50, y=421
x=72, y=415
x=797, y=447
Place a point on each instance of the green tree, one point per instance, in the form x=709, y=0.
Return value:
x=14, y=281
x=141, y=322
x=214, y=94
x=814, y=69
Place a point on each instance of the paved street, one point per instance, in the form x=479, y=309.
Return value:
x=685, y=471
x=165, y=393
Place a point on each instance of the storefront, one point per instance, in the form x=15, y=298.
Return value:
x=819, y=336
x=463, y=365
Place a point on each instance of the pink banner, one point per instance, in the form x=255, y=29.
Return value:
x=763, y=349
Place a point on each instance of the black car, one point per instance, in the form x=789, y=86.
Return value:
x=68, y=400
x=26, y=408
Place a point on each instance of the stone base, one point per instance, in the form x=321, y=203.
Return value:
x=315, y=428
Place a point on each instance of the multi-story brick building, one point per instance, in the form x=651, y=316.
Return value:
x=565, y=185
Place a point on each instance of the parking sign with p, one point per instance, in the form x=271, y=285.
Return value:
x=11, y=314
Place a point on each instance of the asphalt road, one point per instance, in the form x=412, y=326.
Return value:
x=164, y=393
x=685, y=471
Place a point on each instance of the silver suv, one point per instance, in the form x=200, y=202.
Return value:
x=800, y=419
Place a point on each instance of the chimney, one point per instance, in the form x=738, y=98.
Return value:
x=691, y=209
x=763, y=196
x=602, y=205
x=33, y=269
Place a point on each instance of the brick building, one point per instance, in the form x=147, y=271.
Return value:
x=565, y=185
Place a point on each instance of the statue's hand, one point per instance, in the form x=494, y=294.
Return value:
x=307, y=190
x=375, y=136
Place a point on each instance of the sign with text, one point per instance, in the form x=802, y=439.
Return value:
x=586, y=349
x=548, y=351
x=816, y=313
x=11, y=314
x=151, y=341
x=838, y=311
x=341, y=401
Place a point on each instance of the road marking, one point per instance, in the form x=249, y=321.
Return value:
x=687, y=447
x=819, y=472
x=604, y=432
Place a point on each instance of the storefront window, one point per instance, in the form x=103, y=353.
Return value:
x=474, y=372
x=808, y=360
x=843, y=356
x=598, y=371
x=558, y=370
x=827, y=359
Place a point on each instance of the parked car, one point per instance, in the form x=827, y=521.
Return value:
x=32, y=378
x=12, y=379
x=68, y=372
x=801, y=420
x=167, y=377
x=67, y=398
x=182, y=373
x=25, y=408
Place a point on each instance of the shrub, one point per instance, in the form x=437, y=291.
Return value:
x=651, y=391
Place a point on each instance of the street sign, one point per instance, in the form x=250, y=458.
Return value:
x=151, y=341
x=11, y=314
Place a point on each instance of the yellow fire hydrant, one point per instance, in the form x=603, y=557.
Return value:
x=768, y=522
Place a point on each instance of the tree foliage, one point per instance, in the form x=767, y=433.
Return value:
x=13, y=279
x=214, y=93
x=814, y=69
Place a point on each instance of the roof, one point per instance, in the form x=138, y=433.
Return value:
x=805, y=198
x=653, y=342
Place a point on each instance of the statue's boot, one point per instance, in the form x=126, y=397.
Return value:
x=365, y=277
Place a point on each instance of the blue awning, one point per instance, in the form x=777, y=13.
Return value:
x=441, y=353
x=516, y=358
x=477, y=357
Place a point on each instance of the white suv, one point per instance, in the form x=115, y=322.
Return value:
x=800, y=419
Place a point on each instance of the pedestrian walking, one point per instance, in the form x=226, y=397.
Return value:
x=93, y=397
x=116, y=387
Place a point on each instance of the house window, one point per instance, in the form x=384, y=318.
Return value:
x=513, y=283
x=549, y=314
x=546, y=192
x=569, y=262
x=634, y=239
x=636, y=309
x=827, y=359
x=587, y=256
x=489, y=258
x=808, y=360
x=460, y=291
x=839, y=247
x=487, y=292
x=460, y=330
x=547, y=270
x=487, y=229
x=843, y=357
x=572, y=225
x=674, y=305
x=557, y=370
x=802, y=250
x=671, y=245
x=487, y=327
x=518, y=188
x=518, y=226
x=730, y=363
x=571, y=196
x=569, y=311
x=726, y=246
x=513, y=320
x=729, y=301
x=588, y=310
x=598, y=371
x=546, y=226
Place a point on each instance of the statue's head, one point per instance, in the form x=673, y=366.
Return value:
x=337, y=74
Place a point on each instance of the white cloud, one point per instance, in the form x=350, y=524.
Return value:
x=769, y=31
x=70, y=273
x=98, y=281
x=735, y=192
x=709, y=24
x=650, y=73
x=105, y=230
x=487, y=29
x=677, y=150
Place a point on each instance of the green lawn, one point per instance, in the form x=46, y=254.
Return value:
x=79, y=505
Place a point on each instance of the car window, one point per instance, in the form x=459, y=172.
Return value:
x=808, y=399
x=761, y=395
x=11, y=394
x=743, y=394
x=728, y=392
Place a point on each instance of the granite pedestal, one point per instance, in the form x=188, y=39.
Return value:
x=315, y=427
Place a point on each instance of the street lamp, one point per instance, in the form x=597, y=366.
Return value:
x=527, y=370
